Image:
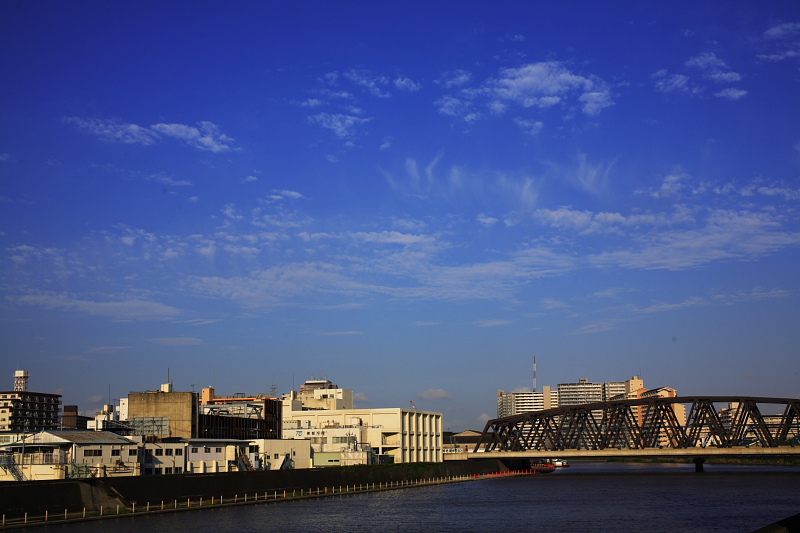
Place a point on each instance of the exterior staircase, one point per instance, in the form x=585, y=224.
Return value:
x=8, y=464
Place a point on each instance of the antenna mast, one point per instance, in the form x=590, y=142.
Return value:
x=534, y=373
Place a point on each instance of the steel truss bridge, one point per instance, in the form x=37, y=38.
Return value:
x=651, y=426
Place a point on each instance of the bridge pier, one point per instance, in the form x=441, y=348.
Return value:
x=698, y=463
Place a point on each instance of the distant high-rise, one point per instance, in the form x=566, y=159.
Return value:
x=513, y=403
x=25, y=411
x=578, y=393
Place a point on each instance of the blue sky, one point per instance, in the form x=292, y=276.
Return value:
x=412, y=199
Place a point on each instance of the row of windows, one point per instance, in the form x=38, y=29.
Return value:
x=207, y=450
x=161, y=451
x=159, y=471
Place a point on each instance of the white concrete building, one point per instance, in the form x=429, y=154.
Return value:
x=280, y=454
x=406, y=435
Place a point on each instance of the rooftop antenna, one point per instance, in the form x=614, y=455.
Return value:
x=534, y=373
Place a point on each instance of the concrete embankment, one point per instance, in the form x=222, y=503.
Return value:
x=54, y=498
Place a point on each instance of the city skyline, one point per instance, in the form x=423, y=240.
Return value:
x=412, y=200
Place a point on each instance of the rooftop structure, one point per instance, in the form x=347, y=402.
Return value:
x=21, y=381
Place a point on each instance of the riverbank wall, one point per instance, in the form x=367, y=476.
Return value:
x=39, y=498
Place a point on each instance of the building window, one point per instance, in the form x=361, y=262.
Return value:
x=92, y=453
x=194, y=450
x=207, y=449
x=277, y=456
x=167, y=470
x=219, y=450
x=132, y=452
x=178, y=470
x=116, y=453
x=159, y=451
x=178, y=452
x=168, y=451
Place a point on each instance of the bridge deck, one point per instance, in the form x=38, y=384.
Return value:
x=735, y=451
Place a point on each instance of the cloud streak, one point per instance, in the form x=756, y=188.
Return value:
x=206, y=136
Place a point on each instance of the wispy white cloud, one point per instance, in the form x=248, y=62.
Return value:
x=781, y=42
x=709, y=67
x=434, y=394
x=360, y=397
x=515, y=38
x=407, y=84
x=178, y=341
x=112, y=130
x=206, y=136
x=724, y=235
x=783, y=31
x=371, y=81
x=754, y=294
x=108, y=349
x=731, y=93
x=546, y=84
x=132, y=309
x=533, y=86
x=486, y=220
x=660, y=307
x=492, y=323
x=455, y=78
x=168, y=180
x=600, y=326
x=673, y=83
x=344, y=126
x=552, y=304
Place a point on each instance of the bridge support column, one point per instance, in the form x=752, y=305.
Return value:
x=698, y=463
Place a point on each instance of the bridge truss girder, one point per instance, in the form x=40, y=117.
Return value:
x=644, y=423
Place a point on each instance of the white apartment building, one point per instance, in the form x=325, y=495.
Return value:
x=578, y=393
x=512, y=403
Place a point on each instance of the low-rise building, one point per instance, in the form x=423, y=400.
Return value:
x=402, y=435
x=69, y=454
x=281, y=454
x=217, y=455
x=161, y=457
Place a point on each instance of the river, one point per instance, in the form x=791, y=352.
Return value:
x=587, y=497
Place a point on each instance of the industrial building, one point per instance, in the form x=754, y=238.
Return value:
x=167, y=413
